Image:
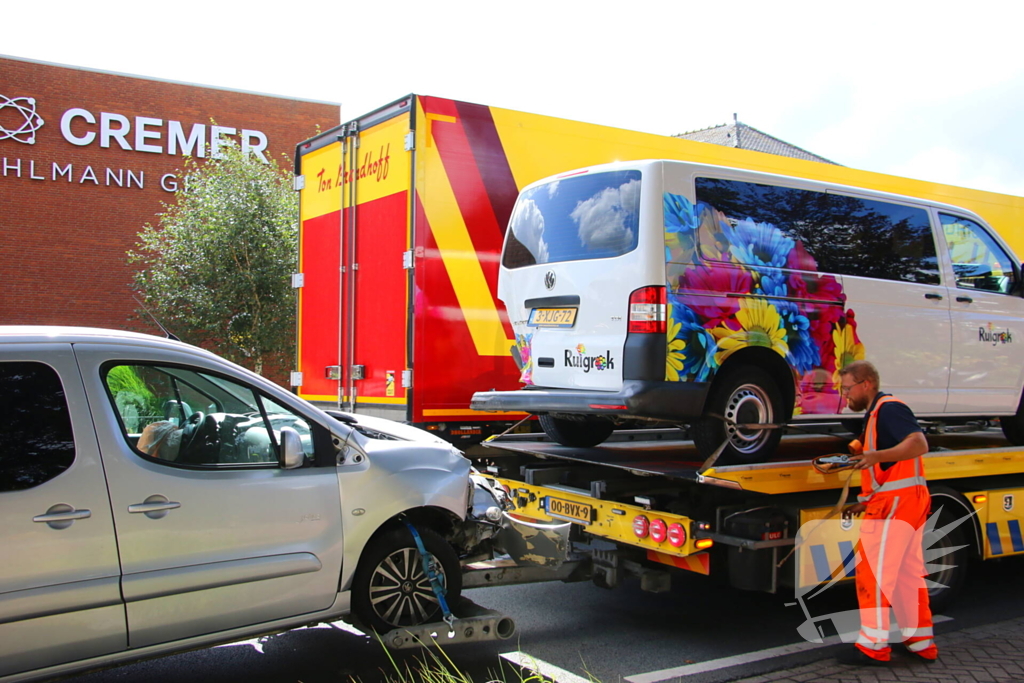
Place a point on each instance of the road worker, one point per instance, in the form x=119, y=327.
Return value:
x=895, y=504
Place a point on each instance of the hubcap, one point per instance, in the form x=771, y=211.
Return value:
x=748, y=404
x=400, y=591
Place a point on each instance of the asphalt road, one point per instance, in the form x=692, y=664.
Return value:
x=578, y=628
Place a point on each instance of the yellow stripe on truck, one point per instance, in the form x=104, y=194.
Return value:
x=457, y=251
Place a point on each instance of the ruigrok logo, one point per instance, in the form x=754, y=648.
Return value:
x=578, y=358
x=11, y=110
x=993, y=336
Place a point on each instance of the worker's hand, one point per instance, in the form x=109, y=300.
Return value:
x=863, y=461
x=854, y=509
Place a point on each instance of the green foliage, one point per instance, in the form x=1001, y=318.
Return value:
x=216, y=269
x=135, y=402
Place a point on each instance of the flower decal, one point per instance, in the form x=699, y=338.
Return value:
x=757, y=323
x=523, y=348
x=733, y=285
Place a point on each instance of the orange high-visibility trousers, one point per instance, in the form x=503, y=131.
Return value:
x=891, y=573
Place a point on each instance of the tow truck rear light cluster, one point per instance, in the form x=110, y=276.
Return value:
x=659, y=531
x=647, y=310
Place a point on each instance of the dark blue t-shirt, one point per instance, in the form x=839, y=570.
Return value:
x=895, y=422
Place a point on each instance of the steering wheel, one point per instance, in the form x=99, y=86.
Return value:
x=192, y=427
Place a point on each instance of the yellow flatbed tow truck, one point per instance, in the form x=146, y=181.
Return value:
x=643, y=504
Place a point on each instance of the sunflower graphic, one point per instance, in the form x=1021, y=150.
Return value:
x=676, y=356
x=759, y=325
x=848, y=345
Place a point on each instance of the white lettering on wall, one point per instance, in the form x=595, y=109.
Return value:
x=61, y=172
x=147, y=134
x=108, y=132
x=169, y=182
x=254, y=142
x=112, y=177
x=196, y=139
x=216, y=141
x=141, y=134
x=65, y=127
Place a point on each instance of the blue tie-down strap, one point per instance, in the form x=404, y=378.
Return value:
x=435, y=580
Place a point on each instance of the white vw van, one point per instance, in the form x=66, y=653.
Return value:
x=717, y=297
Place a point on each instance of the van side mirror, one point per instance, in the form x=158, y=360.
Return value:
x=291, y=454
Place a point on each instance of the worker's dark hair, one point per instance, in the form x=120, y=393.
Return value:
x=862, y=370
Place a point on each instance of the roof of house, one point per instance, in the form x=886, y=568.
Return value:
x=741, y=135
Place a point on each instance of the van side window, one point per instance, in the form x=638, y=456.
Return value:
x=978, y=261
x=36, y=441
x=186, y=417
x=886, y=240
x=841, y=235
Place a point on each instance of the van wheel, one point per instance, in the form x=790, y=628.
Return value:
x=946, y=581
x=582, y=433
x=390, y=589
x=1013, y=426
x=744, y=395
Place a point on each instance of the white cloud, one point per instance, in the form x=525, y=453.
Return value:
x=527, y=225
x=602, y=218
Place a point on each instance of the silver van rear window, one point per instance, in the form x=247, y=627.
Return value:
x=579, y=217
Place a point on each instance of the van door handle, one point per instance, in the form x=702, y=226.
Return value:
x=61, y=516
x=154, y=507
x=965, y=299
x=931, y=295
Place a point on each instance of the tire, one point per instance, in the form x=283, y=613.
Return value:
x=745, y=394
x=948, y=581
x=1013, y=426
x=390, y=589
x=583, y=433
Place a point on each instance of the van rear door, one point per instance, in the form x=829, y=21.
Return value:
x=573, y=254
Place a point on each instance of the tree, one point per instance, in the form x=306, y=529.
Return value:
x=216, y=269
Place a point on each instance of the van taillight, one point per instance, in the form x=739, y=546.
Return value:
x=647, y=310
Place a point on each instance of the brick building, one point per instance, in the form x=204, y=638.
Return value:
x=88, y=157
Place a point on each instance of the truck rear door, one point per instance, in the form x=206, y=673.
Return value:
x=354, y=232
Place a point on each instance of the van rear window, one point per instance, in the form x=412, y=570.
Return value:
x=588, y=216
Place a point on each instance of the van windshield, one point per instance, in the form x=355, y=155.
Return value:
x=587, y=216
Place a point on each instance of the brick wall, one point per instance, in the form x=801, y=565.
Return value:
x=63, y=242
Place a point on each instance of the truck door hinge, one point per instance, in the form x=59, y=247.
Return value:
x=410, y=141
x=357, y=372
x=407, y=260
x=299, y=183
x=406, y=379
x=298, y=280
x=295, y=379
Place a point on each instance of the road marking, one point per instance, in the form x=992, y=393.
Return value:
x=548, y=671
x=748, y=657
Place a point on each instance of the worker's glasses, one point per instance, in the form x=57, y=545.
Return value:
x=845, y=389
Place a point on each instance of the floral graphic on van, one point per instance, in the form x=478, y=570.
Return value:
x=525, y=359
x=737, y=284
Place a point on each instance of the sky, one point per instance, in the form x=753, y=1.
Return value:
x=928, y=90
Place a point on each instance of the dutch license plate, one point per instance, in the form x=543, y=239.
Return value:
x=552, y=317
x=567, y=509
